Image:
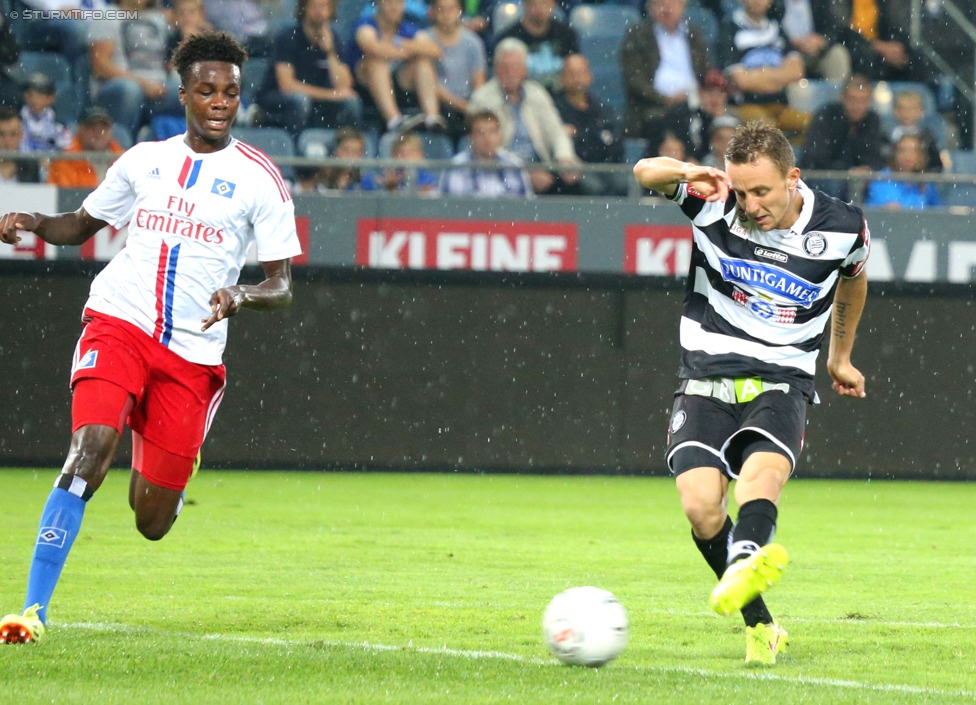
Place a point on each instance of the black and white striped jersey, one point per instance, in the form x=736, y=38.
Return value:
x=757, y=303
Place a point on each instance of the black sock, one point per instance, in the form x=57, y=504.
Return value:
x=754, y=528
x=715, y=551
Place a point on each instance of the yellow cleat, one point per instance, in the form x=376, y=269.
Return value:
x=764, y=642
x=745, y=580
x=196, y=465
x=22, y=628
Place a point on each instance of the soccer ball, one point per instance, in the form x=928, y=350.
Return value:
x=585, y=626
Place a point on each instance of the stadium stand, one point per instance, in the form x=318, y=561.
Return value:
x=273, y=141
x=808, y=95
x=504, y=16
x=67, y=100
x=705, y=20
x=963, y=162
x=316, y=142
x=634, y=149
x=435, y=146
x=600, y=29
x=252, y=75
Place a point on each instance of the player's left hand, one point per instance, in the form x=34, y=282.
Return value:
x=224, y=303
x=848, y=380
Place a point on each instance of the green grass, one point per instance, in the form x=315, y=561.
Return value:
x=366, y=588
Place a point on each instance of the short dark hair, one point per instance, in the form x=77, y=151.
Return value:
x=480, y=115
x=758, y=139
x=8, y=113
x=207, y=46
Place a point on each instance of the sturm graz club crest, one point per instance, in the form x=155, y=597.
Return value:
x=814, y=244
x=678, y=420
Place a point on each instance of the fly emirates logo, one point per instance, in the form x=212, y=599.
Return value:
x=492, y=246
x=178, y=220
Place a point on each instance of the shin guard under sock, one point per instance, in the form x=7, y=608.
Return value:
x=59, y=525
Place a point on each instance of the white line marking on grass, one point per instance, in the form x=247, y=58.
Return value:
x=532, y=660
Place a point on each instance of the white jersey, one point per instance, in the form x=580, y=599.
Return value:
x=192, y=218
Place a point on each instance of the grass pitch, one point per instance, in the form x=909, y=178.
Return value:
x=365, y=588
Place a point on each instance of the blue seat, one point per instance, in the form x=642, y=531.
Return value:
x=435, y=146
x=634, y=149
x=504, y=15
x=252, y=76
x=68, y=98
x=273, y=141
x=600, y=29
x=962, y=194
x=705, y=20
x=607, y=21
x=315, y=142
x=808, y=95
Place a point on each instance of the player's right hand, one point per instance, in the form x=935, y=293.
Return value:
x=12, y=222
x=711, y=183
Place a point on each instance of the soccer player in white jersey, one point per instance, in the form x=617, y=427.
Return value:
x=155, y=323
x=772, y=262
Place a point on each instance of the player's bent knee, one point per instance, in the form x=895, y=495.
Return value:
x=154, y=528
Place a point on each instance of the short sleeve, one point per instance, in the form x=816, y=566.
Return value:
x=273, y=222
x=113, y=199
x=858, y=256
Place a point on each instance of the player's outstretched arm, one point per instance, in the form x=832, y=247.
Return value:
x=62, y=229
x=663, y=174
x=271, y=294
x=848, y=305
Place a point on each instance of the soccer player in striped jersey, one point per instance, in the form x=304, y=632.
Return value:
x=155, y=324
x=772, y=262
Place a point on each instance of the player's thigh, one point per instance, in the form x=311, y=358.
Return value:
x=108, y=373
x=697, y=433
x=174, y=417
x=773, y=422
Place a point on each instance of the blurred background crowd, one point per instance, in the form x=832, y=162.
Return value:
x=518, y=94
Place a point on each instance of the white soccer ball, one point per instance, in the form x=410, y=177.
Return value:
x=585, y=626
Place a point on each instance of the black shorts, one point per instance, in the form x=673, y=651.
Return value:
x=708, y=432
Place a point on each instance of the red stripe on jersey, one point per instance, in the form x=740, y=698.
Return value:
x=256, y=155
x=161, y=291
x=184, y=172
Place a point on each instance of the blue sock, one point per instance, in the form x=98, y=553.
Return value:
x=60, y=522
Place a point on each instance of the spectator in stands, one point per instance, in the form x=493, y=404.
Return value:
x=242, y=19
x=845, y=135
x=759, y=63
x=68, y=37
x=462, y=67
x=407, y=147
x=594, y=138
x=530, y=124
x=10, y=93
x=908, y=157
x=719, y=133
x=663, y=58
x=309, y=85
x=128, y=58
x=908, y=111
x=823, y=56
x=188, y=18
x=23, y=171
x=393, y=60
x=42, y=130
x=94, y=134
x=876, y=33
x=349, y=144
x=509, y=178
x=549, y=40
x=691, y=122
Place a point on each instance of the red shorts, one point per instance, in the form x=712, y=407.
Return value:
x=174, y=400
